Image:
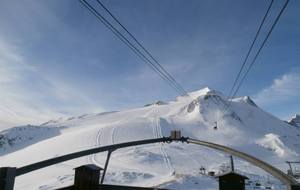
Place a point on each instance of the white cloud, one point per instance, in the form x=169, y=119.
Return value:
x=12, y=106
x=9, y=62
x=29, y=92
x=50, y=97
x=283, y=89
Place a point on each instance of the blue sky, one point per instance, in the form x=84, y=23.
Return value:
x=56, y=59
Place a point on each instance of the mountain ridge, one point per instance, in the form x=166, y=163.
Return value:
x=205, y=114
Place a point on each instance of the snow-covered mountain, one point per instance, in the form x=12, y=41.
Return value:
x=295, y=121
x=205, y=114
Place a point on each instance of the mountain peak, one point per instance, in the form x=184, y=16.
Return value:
x=203, y=92
x=247, y=100
x=295, y=120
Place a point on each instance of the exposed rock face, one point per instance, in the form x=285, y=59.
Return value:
x=248, y=100
x=295, y=121
x=156, y=103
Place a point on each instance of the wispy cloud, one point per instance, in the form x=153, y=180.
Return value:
x=57, y=60
x=283, y=89
x=14, y=108
x=29, y=91
x=29, y=95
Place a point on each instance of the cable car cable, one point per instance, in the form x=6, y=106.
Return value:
x=139, y=43
x=130, y=45
x=250, y=49
x=261, y=47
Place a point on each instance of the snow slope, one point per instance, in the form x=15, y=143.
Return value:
x=205, y=114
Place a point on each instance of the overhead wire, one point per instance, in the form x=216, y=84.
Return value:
x=139, y=44
x=250, y=49
x=261, y=47
x=157, y=67
x=132, y=47
x=126, y=41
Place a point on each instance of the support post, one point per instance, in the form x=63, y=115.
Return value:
x=105, y=166
x=291, y=169
x=175, y=135
x=87, y=177
x=7, y=178
x=231, y=163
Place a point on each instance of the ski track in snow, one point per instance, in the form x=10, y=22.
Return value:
x=158, y=134
x=113, y=135
x=93, y=158
x=163, y=150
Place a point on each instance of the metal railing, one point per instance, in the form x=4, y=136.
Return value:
x=8, y=174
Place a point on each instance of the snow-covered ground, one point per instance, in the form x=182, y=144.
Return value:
x=205, y=114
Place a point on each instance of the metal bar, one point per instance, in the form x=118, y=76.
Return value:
x=290, y=182
x=105, y=166
x=52, y=161
x=261, y=164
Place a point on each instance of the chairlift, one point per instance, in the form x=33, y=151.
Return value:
x=202, y=170
x=215, y=125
